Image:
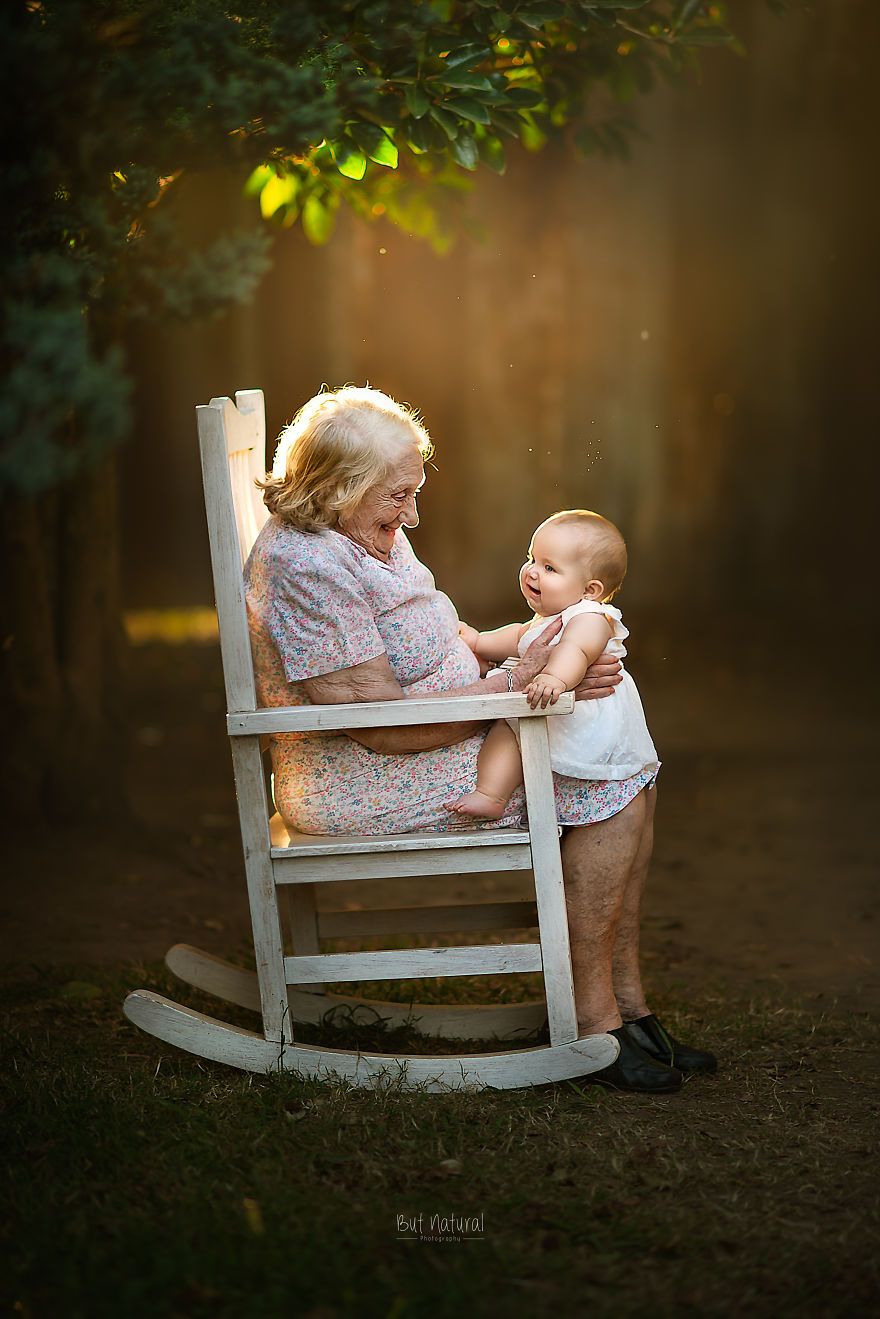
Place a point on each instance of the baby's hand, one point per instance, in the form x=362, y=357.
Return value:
x=544, y=690
x=469, y=635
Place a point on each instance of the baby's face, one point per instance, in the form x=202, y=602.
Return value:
x=555, y=574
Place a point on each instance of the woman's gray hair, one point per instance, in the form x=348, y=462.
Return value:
x=338, y=446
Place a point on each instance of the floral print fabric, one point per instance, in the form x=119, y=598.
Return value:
x=317, y=603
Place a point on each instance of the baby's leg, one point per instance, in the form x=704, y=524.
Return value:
x=499, y=770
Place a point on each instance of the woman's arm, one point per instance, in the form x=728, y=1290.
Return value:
x=374, y=681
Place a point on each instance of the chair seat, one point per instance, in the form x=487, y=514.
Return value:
x=285, y=843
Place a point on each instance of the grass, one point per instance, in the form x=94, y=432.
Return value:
x=144, y=1182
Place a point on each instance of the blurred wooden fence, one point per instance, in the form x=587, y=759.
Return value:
x=684, y=342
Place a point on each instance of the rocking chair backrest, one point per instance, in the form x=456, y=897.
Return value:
x=232, y=440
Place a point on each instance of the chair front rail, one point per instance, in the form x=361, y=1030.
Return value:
x=400, y=865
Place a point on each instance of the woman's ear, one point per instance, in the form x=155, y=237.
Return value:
x=594, y=590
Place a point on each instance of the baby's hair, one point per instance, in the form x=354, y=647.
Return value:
x=603, y=547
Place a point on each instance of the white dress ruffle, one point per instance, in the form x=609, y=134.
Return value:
x=602, y=739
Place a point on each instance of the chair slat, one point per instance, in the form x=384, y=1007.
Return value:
x=415, y=963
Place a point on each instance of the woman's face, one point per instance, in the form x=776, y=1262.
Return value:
x=389, y=505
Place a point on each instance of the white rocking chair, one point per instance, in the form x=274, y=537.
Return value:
x=288, y=989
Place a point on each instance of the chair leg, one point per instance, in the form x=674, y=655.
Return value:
x=549, y=886
x=302, y=918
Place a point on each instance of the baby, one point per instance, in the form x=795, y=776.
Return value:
x=577, y=560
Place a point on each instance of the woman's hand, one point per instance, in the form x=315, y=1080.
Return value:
x=535, y=658
x=600, y=679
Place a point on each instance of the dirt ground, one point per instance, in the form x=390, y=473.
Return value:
x=766, y=854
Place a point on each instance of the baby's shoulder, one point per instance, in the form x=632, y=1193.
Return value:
x=591, y=607
x=587, y=623
x=587, y=616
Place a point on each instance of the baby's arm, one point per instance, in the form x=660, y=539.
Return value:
x=501, y=643
x=583, y=641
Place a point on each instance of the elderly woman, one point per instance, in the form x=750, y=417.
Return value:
x=342, y=610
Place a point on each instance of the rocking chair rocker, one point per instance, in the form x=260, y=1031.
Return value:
x=288, y=987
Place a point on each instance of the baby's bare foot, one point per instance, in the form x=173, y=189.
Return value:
x=479, y=805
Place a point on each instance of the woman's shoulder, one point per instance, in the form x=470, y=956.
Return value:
x=284, y=556
x=281, y=543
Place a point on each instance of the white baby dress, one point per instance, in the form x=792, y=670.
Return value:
x=601, y=739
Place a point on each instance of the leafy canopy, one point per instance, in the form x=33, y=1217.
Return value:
x=383, y=105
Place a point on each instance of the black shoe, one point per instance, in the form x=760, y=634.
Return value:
x=651, y=1037
x=634, y=1069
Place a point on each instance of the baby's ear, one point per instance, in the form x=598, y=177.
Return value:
x=594, y=590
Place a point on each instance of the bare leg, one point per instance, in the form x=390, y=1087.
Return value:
x=625, y=960
x=499, y=770
x=603, y=876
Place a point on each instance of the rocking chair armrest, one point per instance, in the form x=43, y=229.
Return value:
x=389, y=714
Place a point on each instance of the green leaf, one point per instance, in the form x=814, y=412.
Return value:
x=279, y=191
x=447, y=121
x=351, y=162
x=686, y=11
x=474, y=81
x=417, y=100
x=618, y=4
x=464, y=151
x=374, y=142
x=257, y=180
x=491, y=153
x=466, y=108
x=538, y=15
x=523, y=98
x=706, y=36
x=507, y=122
x=601, y=17
x=385, y=153
x=469, y=55
x=424, y=135
x=318, y=218
x=531, y=136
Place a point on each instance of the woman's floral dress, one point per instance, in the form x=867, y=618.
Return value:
x=317, y=602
